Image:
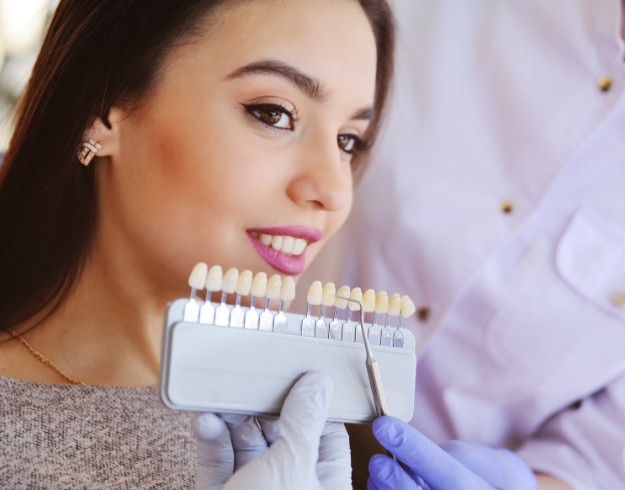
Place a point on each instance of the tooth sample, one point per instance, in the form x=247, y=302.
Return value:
x=214, y=278
x=228, y=285
x=274, y=284
x=368, y=306
x=229, y=282
x=244, y=284
x=197, y=279
x=340, y=303
x=314, y=297
x=328, y=294
x=381, y=308
x=287, y=293
x=259, y=286
x=350, y=327
x=407, y=309
x=394, y=309
x=213, y=284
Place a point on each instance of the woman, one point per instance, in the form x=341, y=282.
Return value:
x=153, y=135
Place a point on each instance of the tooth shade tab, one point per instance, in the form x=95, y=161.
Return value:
x=356, y=297
x=328, y=294
x=368, y=301
x=244, y=284
x=259, y=285
x=394, y=304
x=381, y=303
x=214, y=278
x=229, y=282
x=197, y=278
x=315, y=293
x=407, y=307
x=287, y=290
x=341, y=293
x=273, y=287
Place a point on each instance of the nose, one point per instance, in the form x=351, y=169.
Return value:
x=324, y=176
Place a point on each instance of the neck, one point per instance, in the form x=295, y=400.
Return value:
x=107, y=332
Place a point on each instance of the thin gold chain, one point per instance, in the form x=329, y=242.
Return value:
x=43, y=359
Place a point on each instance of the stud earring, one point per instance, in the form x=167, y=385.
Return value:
x=87, y=151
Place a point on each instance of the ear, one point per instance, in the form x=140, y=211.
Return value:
x=106, y=133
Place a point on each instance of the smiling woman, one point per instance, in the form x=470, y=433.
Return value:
x=153, y=135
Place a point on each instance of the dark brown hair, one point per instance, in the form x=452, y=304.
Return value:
x=95, y=55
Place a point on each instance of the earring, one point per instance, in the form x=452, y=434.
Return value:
x=87, y=151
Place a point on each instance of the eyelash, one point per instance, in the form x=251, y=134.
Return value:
x=257, y=110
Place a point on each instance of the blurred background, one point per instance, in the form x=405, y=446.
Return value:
x=22, y=25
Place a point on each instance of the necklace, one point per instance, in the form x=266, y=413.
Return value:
x=43, y=359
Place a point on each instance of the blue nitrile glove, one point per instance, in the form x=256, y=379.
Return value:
x=456, y=465
x=299, y=450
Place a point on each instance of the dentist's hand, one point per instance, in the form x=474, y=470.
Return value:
x=454, y=466
x=299, y=450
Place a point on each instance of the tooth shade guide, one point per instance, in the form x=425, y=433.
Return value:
x=277, y=289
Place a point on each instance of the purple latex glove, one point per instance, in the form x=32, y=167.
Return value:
x=456, y=465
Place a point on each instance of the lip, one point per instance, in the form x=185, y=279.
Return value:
x=292, y=265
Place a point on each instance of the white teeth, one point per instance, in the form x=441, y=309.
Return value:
x=285, y=244
x=299, y=246
x=276, y=242
x=265, y=239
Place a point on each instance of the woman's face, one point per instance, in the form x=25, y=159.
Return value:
x=246, y=139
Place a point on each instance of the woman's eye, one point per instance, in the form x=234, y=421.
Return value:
x=349, y=143
x=273, y=115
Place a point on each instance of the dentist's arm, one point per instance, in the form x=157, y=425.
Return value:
x=298, y=450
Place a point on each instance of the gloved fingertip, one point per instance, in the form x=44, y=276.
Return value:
x=209, y=427
x=388, y=430
x=310, y=396
x=380, y=468
x=321, y=381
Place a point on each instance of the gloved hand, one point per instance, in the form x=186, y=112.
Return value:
x=454, y=466
x=299, y=450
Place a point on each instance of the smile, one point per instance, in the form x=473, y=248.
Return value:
x=284, y=248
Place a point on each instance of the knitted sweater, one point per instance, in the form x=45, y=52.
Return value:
x=92, y=437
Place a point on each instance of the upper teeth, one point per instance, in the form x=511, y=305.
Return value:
x=285, y=244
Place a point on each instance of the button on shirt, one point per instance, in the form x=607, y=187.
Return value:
x=495, y=200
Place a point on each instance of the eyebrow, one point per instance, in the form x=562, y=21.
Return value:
x=311, y=86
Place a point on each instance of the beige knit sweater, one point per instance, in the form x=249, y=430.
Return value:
x=92, y=437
